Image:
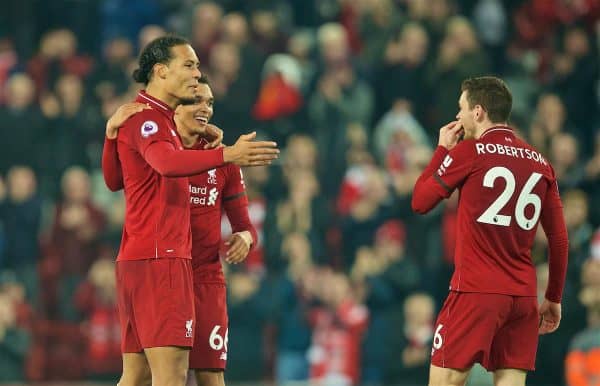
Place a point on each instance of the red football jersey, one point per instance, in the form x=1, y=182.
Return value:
x=157, y=218
x=504, y=187
x=208, y=192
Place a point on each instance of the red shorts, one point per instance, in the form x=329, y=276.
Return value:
x=210, y=343
x=497, y=331
x=155, y=302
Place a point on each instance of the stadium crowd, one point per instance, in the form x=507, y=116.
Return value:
x=345, y=282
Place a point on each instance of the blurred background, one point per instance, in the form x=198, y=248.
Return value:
x=345, y=283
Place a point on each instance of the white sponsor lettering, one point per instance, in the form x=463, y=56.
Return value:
x=511, y=151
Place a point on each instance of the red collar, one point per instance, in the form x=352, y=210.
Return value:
x=498, y=129
x=159, y=105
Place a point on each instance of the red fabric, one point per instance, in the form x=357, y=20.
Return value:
x=553, y=222
x=210, y=341
x=170, y=162
x=155, y=299
x=425, y=193
x=498, y=331
x=449, y=219
x=212, y=192
x=111, y=166
x=493, y=247
x=157, y=216
x=276, y=99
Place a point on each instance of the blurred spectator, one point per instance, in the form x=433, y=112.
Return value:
x=579, y=229
x=419, y=314
x=573, y=69
x=57, y=55
x=72, y=245
x=247, y=312
x=290, y=307
x=147, y=34
x=234, y=89
x=279, y=97
x=111, y=77
x=582, y=362
x=96, y=301
x=8, y=59
x=21, y=108
x=338, y=328
x=396, y=134
x=401, y=75
x=549, y=119
x=204, y=30
x=267, y=30
x=564, y=156
x=491, y=21
x=379, y=19
x=20, y=215
x=458, y=57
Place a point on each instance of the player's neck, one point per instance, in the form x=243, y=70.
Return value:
x=162, y=95
x=188, y=138
x=485, y=126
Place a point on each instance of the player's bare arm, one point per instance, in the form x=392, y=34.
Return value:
x=123, y=113
x=247, y=152
x=238, y=245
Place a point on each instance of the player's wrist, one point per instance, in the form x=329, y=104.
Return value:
x=247, y=237
x=230, y=154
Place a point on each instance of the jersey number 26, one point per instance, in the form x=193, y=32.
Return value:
x=526, y=197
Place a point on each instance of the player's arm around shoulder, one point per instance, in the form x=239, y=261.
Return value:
x=121, y=115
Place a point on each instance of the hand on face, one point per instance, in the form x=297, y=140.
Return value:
x=214, y=136
x=450, y=134
x=123, y=113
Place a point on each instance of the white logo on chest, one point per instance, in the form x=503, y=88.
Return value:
x=201, y=195
x=212, y=176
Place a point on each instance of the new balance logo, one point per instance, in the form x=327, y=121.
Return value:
x=212, y=196
x=445, y=164
x=188, y=328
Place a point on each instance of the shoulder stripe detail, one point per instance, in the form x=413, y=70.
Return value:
x=153, y=102
x=444, y=185
x=234, y=196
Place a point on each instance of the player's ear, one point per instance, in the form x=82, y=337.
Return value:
x=160, y=69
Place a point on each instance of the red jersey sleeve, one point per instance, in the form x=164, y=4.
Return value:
x=170, y=162
x=235, y=203
x=111, y=166
x=553, y=223
x=154, y=138
x=445, y=172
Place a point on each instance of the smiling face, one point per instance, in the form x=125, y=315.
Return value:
x=194, y=117
x=181, y=73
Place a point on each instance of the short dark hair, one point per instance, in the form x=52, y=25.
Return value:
x=492, y=94
x=157, y=51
